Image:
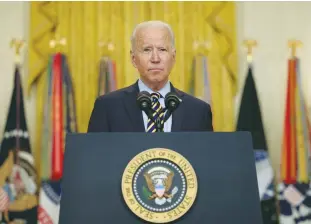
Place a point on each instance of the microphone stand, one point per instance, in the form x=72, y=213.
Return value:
x=157, y=122
x=171, y=102
x=167, y=115
x=159, y=125
x=144, y=103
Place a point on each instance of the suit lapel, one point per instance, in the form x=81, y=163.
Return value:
x=135, y=114
x=177, y=116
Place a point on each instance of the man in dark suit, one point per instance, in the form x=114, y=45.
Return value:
x=153, y=55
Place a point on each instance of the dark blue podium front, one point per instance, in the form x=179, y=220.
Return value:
x=224, y=164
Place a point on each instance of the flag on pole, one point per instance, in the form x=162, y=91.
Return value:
x=59, y=119
x=294, y=189
x=50, y=195
x=107, y=79
x=250, y=119
x=200, y=84
x=18, y=188
x=59, y=116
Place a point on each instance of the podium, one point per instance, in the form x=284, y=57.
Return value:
x=184, y=178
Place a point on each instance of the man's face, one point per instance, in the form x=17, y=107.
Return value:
x=153, y=55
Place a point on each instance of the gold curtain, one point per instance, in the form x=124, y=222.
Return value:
x=90, y=26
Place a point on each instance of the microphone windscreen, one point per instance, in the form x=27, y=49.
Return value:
x=172, y=101
x=144, y=100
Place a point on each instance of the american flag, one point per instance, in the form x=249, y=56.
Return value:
x=43, y=216
x=4, y=200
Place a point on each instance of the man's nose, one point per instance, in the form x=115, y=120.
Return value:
x=155, y=58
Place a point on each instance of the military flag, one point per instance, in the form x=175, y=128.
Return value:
x=250, y=119
x=59, y=119
x=200, y=84
x=294, y=189
x=107, y=80
x=18, y=188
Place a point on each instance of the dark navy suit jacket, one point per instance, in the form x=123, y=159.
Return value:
x=118, y=112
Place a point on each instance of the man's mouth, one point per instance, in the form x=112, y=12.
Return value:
x=155, y=69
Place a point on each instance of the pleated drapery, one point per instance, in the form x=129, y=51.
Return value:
x=95, y=29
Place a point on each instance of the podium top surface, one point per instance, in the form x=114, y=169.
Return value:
x=224, y=165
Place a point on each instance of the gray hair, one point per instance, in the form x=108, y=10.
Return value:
x=152, y=23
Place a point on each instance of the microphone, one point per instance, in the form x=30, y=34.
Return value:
x=144, y=100
x=172, y=102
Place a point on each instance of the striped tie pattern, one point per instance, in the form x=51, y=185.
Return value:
x=156, y=106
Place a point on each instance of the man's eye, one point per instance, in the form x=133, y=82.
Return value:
x=162, y=49
x=146, y=49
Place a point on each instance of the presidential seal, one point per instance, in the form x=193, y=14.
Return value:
x=159, y=185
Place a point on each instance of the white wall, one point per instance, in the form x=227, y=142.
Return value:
x=14, y=20
x=272, y=24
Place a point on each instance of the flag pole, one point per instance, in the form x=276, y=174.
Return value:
x=15, y=130
x=250, y=44
x=202, y=48
x=107, y=80
x=58, y=43
x=106, y=48
x=293, y=45
x=17, y=44
x=57, y=107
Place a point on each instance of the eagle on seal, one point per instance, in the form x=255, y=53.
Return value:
x=159, y=186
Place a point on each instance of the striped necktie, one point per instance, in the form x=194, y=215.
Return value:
x=156, y=106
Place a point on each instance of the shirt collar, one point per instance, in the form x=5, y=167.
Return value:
x=165, y=90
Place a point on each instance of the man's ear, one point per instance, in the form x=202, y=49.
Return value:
x=174, y=54
x=133, y=58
